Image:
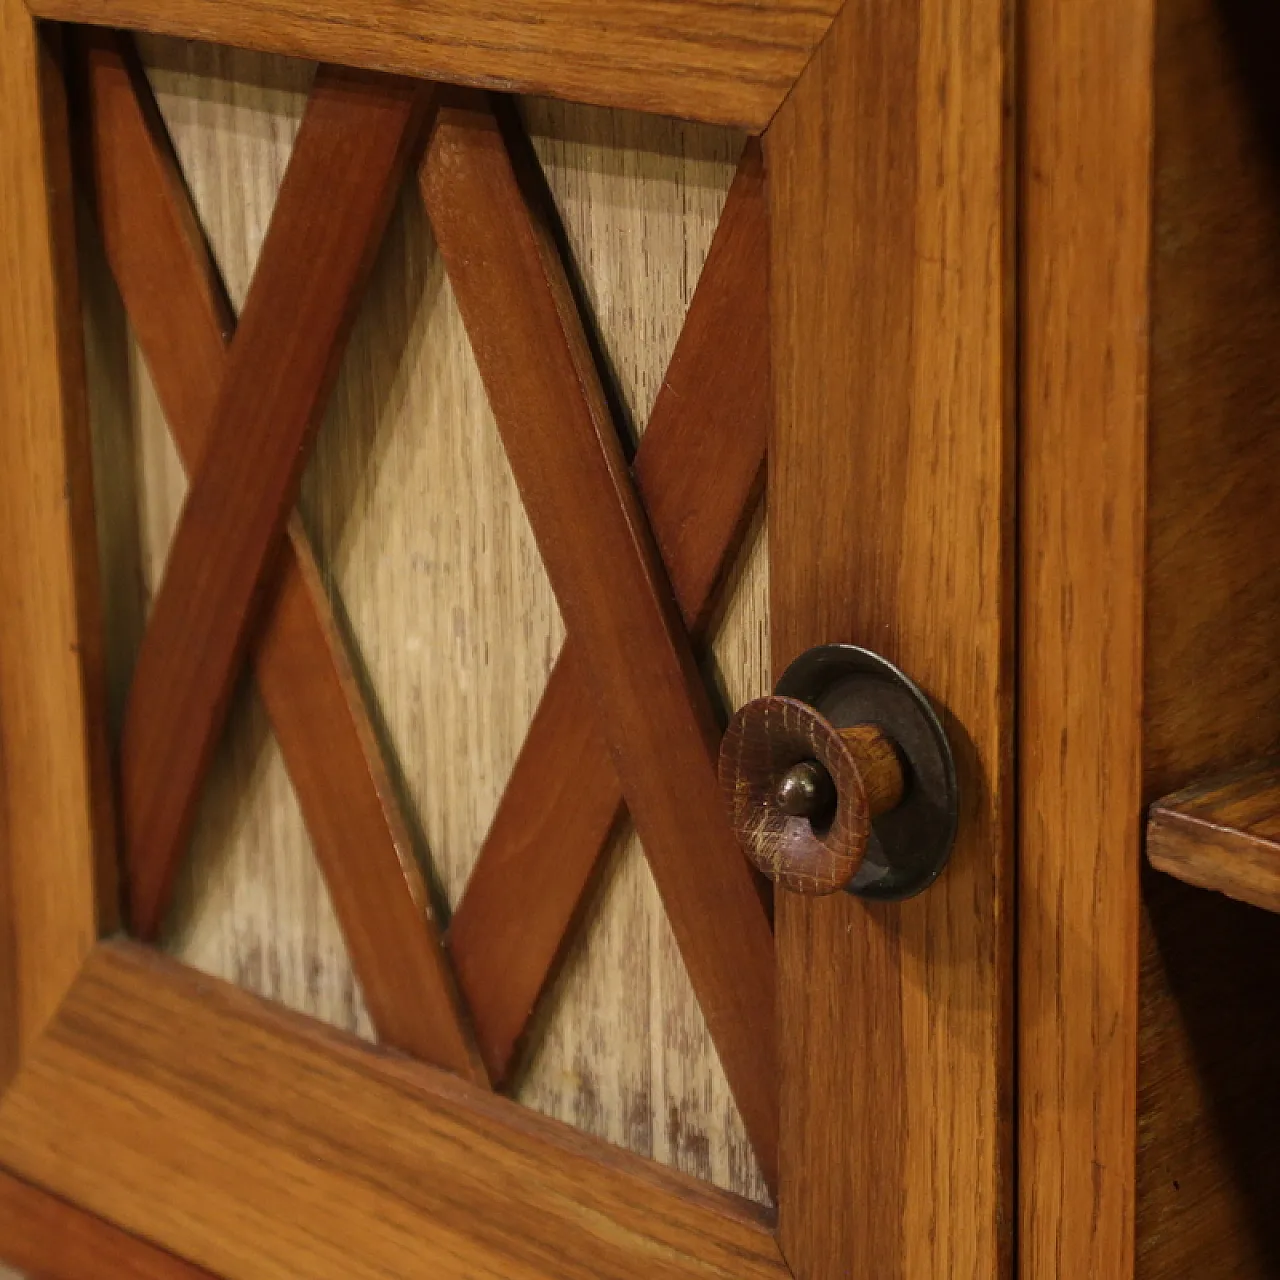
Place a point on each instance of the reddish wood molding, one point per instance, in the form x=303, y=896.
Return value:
x=179, y=310
x=697, y=471
x=608, y=577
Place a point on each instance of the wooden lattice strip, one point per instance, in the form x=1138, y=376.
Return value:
x=350, y=154
x=697, y=470
x=607, y=574
x=183, y=320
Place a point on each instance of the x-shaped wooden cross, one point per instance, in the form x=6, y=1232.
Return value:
x=625, y=713
x=697, y=470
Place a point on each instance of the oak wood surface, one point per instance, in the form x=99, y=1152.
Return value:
x=1209, y=1046
x=697, y=469
x=279, y=372
x=260, y=1144
x=1223, y=834
x=183, y=320
x=567, y=459
x=423, y=541
x=50, y=1239
x=1085, y=214
x=890, y=505
x=53, y=815
x=711, y=60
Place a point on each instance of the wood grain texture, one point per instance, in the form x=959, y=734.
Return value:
x=453, y=625
x=1085, y=209
x=711, y=60
x=54, y=817
x=1223, y=834
x=50, y=1239
x=1209, y=1043
x=183, y=320
x=280, y=370
x=697, y=470
x=890, y=505
x=567, y=460
x=258, y=1144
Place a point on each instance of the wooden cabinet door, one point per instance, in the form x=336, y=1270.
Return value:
x=853, y=323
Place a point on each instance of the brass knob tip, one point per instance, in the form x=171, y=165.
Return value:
x=797, y=795
x=806, y=791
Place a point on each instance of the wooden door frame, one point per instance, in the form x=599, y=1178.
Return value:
x=889, y=141
x=1085, y=246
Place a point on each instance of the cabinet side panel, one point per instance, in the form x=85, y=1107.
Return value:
x=1209, y=1048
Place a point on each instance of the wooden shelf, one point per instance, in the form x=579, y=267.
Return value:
x=1223, y=834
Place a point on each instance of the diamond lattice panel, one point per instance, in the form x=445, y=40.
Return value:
x=405, y=715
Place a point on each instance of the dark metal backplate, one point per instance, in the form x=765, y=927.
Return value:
x=911, y=843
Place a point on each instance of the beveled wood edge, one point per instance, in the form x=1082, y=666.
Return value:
x=1191, y=836
x=54, y=892
x=1177, y=844
x=141, y=1162
x=41, y=1231
x=735, y=70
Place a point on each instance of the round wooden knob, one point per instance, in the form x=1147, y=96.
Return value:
x=802, y=793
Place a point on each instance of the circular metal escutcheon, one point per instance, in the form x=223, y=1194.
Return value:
x=910, y=843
